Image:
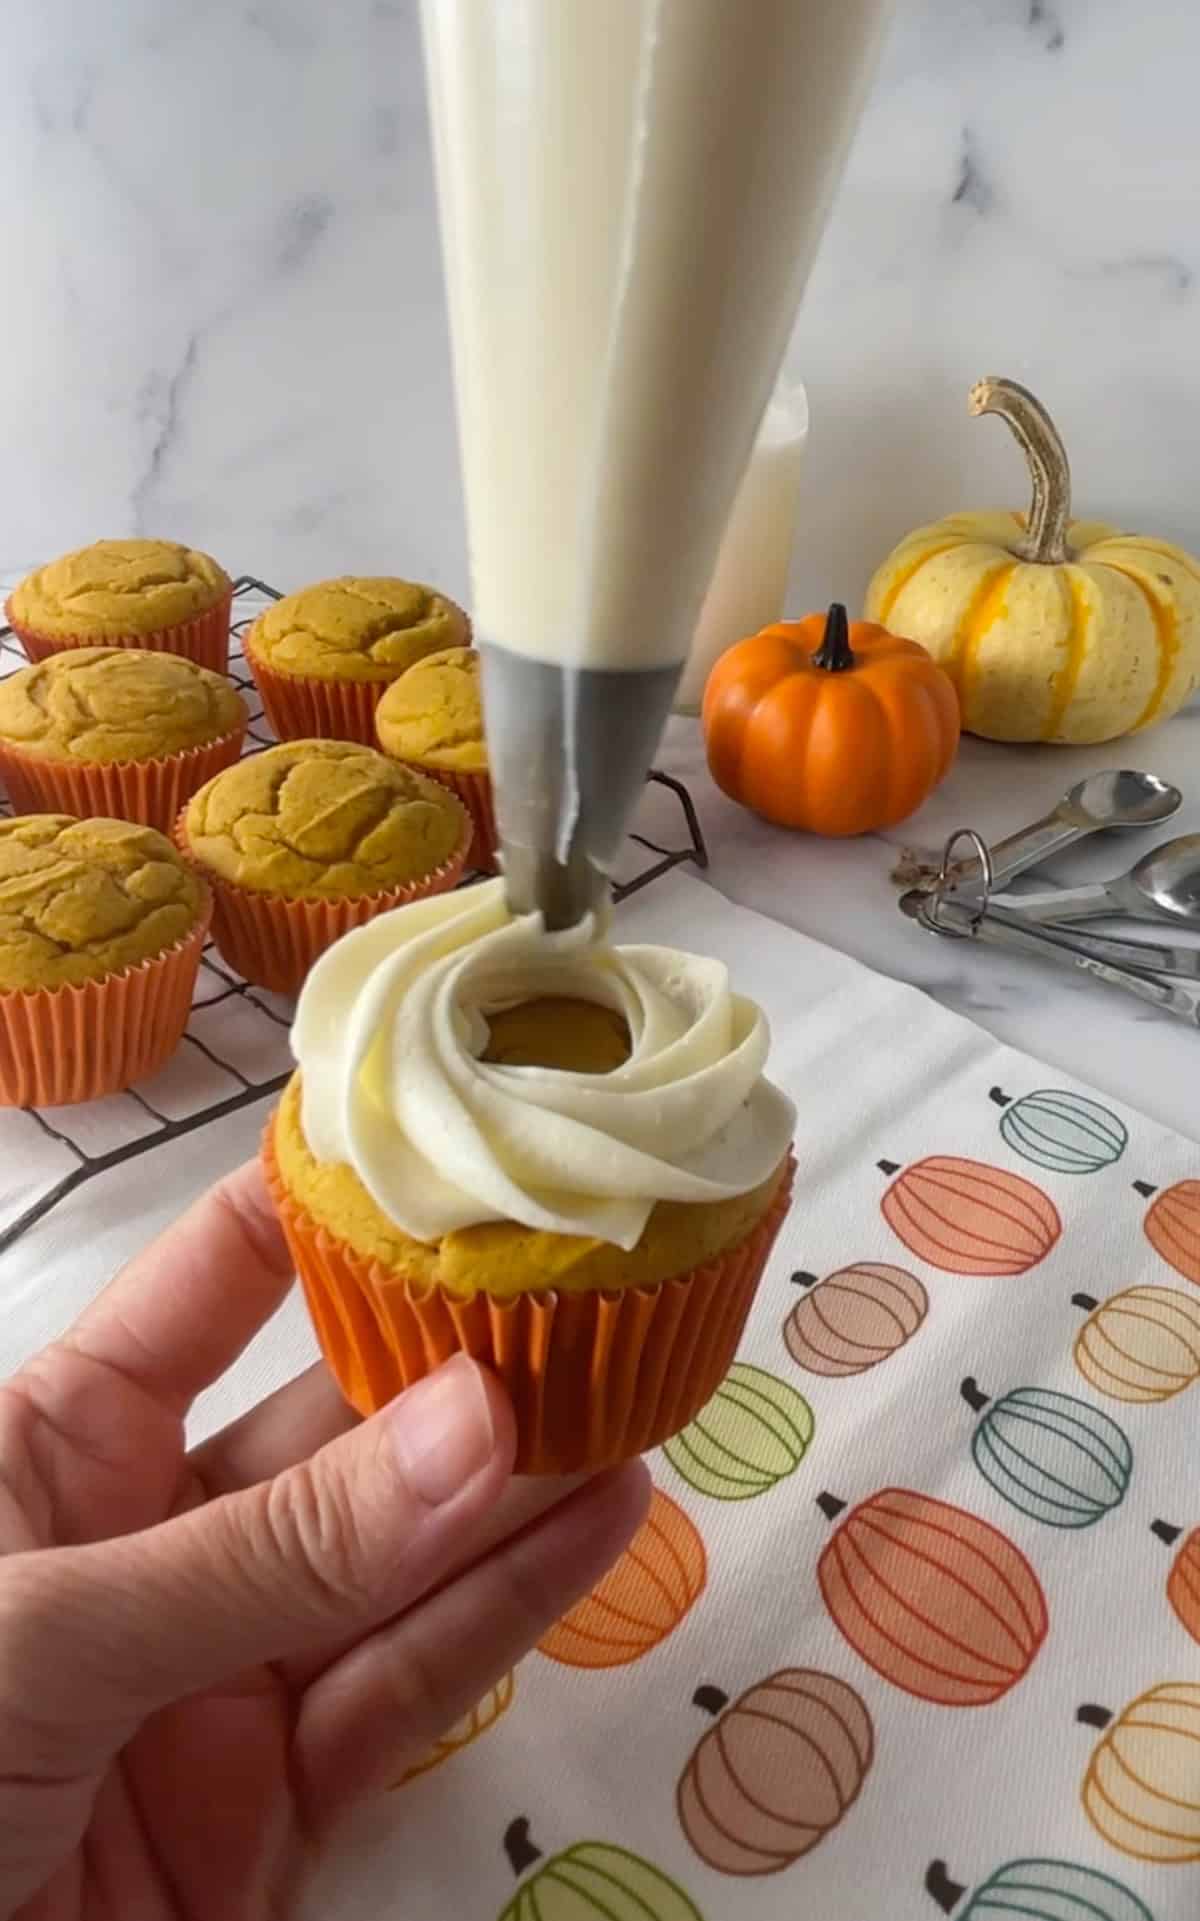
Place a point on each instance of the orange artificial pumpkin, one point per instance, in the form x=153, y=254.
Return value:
x=835, y=728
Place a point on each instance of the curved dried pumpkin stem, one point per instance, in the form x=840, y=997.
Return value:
x=1045, y=538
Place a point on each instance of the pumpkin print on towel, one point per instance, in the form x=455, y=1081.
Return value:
x=779, y=1769
x=593, y=1881
x=641, y=1599
x=1063, y=1132
x=1173, y=1226
x=1038, y=1890
x=1054, y=1457
x=1183, y=1582
x=483, y=1715
x=752, y=1434
x=968, y=1218
x=1140, y=1345
x=854, y=1319
x=1142, y=1787
x=934, y=1599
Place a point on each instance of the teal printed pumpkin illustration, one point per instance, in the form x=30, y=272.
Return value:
x=1054, y=1457
x=1038, y=1890
x=753, y=1433
x=593, y=1881
x=1064, y=1132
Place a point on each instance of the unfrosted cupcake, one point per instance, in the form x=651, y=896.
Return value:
x=108, y=730
x=574, y=1170
x=432, y=719
x=153, y=594
x=322, y=657
x=101, y=930
x=309, y=839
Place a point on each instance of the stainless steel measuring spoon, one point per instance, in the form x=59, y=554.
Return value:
x=1114, y=800
x=1163, y=885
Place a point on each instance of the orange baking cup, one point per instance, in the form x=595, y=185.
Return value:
x=149, y=791
x=59, y=1045
x=594, y=1377
x=302, y=707
x=204, y=639
x=475, y=793
x=273, y=939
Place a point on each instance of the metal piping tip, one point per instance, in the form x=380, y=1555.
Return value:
x=569, y=750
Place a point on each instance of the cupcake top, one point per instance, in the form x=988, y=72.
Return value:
x=392, y=1037
x=323, y=820
x=357, y=629
x=81, y=899
x=115, y=588
x=433, y=713
x=116, y=704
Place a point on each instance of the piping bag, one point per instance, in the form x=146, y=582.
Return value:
x=631, y=193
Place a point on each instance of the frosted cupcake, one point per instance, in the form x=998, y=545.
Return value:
x=321, y=658
x=152, y=594
x=560, y=1156
x=432, y=719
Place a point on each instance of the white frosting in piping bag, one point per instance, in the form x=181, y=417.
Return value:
x=389, y=1032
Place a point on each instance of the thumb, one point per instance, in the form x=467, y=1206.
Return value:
x=330, y=1547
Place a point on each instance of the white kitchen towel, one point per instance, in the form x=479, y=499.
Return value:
x=913, y=1626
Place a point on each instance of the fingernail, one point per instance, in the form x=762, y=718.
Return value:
x=442, y=1431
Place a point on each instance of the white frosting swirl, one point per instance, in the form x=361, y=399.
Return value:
x=389, y=1032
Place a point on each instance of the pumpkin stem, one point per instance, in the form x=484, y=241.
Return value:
x=998, y=1095
x=830, y=1506
x=710, y=1699
x=1167, y=1534
x=1090, y=1716
x=834, y=655
x=521, y=1851
x=1087, y=1302
x=1145, y=1189
x=946, y=1893
x=972, y=1395
x=888, y=1167
x=1045, y=537
x=801, y=1279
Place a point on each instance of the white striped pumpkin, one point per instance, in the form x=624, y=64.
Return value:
x=1051, y=629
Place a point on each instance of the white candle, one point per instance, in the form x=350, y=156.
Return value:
x=750, y=580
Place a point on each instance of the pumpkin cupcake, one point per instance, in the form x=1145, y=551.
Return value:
x=101, y=929
x=309, y=839
x=152, y=594
x=105, y=730
x=432, y=719
x=558, y=1156
x=322, y=657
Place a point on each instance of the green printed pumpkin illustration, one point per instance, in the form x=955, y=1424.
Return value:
x=1054, y=1457
x=754, y=1432
x=593, y=1881
x=1067, y=1133
x=1039, y=1890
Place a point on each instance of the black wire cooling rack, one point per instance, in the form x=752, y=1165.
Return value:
x=235, y=1049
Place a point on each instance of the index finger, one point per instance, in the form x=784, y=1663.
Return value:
x=184, y=1308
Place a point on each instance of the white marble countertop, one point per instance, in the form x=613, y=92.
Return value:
x=840, y=892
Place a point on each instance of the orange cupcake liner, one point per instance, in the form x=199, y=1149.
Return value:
x=61, y=1045
x=151, y=792
x=204, y=639
x=475, y=793
x=302, y=707
x=595, y=1378
x=273, y=940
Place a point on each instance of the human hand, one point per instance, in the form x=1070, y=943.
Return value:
x=206, y=1658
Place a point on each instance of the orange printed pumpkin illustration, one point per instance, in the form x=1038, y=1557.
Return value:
x=1142, y=1787
x=855, y=1319
x=1140, y=1345
x=1173, y=1226
x=968, y=1218
x=640, y=1600
x=1183, y=1582
x=483, y=1715
x=779, y=1769
x=932, y=1597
